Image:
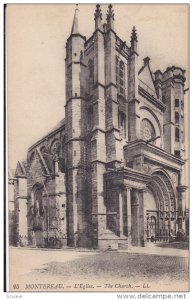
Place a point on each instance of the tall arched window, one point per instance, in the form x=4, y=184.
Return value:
x=120, y=76
x=177, y=134
x=37, y=200
x=91, y=74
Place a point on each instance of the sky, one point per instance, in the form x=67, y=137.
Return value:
x=35, y=41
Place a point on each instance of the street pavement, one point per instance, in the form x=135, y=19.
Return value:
x=150, y=268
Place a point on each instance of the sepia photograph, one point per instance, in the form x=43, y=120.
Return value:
x=98, y=147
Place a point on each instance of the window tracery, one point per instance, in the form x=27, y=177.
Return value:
x=147, y=130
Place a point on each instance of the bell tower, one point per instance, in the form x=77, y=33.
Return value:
x=75, y=130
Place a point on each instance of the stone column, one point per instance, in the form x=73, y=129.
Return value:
x=169, y=222
x=181, y=206
x=137, y=223
x=120, y=213
x=135, y=219
x=129, y=216
x=142, y=220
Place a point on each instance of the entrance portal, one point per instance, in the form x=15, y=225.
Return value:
x=160, y=208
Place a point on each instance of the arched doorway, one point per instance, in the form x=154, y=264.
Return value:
x=160, y=208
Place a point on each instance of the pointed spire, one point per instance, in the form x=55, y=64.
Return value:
x=134, y=35
x=75, y=22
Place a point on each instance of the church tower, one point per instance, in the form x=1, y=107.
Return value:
x=75, y=130
x=96, y=104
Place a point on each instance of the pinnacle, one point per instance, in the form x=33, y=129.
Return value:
x=134, y=34
x=110, y=12
x=98, y=13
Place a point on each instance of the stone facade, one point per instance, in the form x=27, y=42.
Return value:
x=109, y=175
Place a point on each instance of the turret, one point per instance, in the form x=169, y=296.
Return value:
x=173, y=96
x=75, y=129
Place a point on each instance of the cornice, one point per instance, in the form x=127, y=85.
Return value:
x=76, y=35
x=128, y=173
x=155, y=150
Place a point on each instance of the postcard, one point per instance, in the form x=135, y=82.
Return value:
x=98, y=141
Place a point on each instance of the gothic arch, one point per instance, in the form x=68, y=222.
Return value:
x=151, y=116
x=157, y=170
x=167, y=181
x=154, y=187
x=163, y=188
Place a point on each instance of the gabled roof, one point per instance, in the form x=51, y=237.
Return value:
x=145, y=75
x=21, y=169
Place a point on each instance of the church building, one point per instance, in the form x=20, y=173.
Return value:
x=110, y=175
